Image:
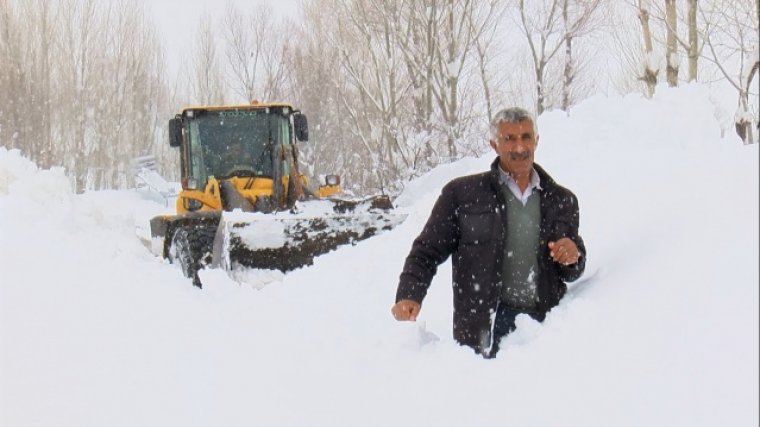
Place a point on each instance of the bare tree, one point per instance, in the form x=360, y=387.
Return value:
x=12, y=78
x=690, y=42
x=134, y=66
x=411, y=81
x=450, y=60
x=671, y=46
x=208, y=81
x=82, y=30
x=368, y=39
x=41, y=13
x=316, y=84
x=732, y=38
x=548, y=25
x=25, y=78
x=692, y=47
x=650, y=71
x=419, y=46
x=447, y=52
x=255, y=53
x=660, y=23
x=568, y=72
x=485, y=28
x=465, y=22
x=100, y=63
x=577, y=20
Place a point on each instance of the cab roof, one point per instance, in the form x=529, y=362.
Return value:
x=251, y=106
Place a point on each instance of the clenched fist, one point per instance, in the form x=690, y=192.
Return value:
x=406, y=309
x=564, y=251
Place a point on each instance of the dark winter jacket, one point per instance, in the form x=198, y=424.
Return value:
x=468, y=222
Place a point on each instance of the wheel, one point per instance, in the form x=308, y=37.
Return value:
x=191, y=247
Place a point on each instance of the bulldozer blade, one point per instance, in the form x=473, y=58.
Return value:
x=286, y=241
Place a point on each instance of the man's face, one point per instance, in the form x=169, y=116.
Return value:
x=516, y=143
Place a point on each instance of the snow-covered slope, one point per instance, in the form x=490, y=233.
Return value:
x=95, y=331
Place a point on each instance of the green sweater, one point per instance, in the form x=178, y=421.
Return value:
x=521, y=250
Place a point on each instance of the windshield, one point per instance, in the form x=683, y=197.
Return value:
x=234, y=142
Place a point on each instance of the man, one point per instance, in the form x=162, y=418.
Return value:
x=513, y=235
x=237, y=158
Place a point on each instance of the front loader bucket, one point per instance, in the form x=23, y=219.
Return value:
x=286, y=241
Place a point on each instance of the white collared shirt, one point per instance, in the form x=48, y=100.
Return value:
x=535, y=184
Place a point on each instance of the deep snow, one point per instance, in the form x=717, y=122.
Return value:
x=96, y=331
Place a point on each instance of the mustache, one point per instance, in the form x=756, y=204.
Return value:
x=514, y=155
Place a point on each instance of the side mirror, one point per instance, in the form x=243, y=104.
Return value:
x=175, y=132
x=332, y=180
x=331, y=187
x=301, y=126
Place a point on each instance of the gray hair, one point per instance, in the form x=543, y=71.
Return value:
x=511, y=115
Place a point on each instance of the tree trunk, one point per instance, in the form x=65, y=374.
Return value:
x=693, y=39
x=451, y=114
x=540, y=88
x=671, y=48
x=649, y=74
x=568, y=73
x=743, y=123
x=430, y=71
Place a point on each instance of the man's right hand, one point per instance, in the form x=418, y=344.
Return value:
x=406, y=309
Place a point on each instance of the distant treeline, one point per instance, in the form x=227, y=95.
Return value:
x=391, y=88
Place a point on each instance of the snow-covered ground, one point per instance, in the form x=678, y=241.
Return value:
x=96, y=331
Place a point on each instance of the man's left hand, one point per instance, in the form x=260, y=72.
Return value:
x=564, y=251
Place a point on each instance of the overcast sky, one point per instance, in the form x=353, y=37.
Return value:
x=176, y=19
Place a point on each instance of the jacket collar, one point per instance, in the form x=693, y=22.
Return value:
x=546, y=180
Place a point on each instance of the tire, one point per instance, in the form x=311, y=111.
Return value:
x=191, y=247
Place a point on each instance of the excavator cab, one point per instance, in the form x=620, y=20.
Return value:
x=253, y=147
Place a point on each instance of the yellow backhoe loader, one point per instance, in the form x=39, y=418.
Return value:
x=244, y=203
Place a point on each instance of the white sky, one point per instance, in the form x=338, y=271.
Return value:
x=176, y=19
